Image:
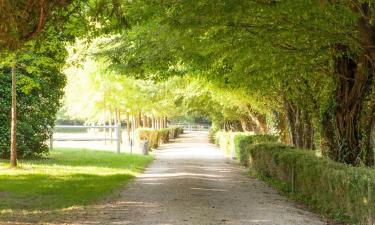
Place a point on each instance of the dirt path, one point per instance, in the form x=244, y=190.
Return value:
x=192, y=183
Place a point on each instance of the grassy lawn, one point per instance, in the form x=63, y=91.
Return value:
x=66, y=178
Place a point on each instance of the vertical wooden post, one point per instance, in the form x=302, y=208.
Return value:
x=293, y=179
x=369, y=199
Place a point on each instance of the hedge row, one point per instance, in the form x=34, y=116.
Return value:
x=335, y=189
x=236, y=143
x=157, y=137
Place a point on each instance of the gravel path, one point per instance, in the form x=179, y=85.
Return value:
x=192, y=183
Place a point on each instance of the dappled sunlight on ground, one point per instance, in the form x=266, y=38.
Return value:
x=62, y=183
x=192, y=182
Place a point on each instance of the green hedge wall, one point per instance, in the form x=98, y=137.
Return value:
x=157, y=137
x=242, y=142
x=238, y=143
x=336, y=189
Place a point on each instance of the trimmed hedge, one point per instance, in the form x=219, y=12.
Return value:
x=175, y=131
x=238, y=142
x=151, y=135
x=243, y=141
x=336, y=189
x=158, y=137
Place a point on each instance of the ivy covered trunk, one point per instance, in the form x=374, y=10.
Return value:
x=300, y=126
x=348, y=124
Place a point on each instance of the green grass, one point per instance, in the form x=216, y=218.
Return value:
x=66, y=178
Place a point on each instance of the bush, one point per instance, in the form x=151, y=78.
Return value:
x=174, y=131
x=335, y=189
x=237, y=143
x=157, y=137
x=164, y=135
x=152, y=136
x=242, y=142
x=39, y=90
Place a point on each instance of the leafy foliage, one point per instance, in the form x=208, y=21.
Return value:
x=335, y=189
x=38, y=70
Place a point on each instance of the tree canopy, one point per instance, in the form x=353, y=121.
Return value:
x=306, y=67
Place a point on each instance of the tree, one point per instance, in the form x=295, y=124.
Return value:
x=38, y=69
x=233, y=44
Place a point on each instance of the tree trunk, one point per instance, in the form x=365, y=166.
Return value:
x=352, y=117
x=153, y=122
x=300, y=126
x=350, y=93
x=139, y=120
x=13, y=126
x=128, y=126
x=291, y=118
x=283, y=128
x=144, y=121
x=246, y=123
x=161, y=124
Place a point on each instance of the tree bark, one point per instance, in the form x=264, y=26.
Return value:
x=139, y=120
x=246, y=123
x=13, y=126
x=161, y=123
x=153, y=122
x=128, y=126
x=283, y=128
x=351, y=118
x=300, y=126
x=144, y=121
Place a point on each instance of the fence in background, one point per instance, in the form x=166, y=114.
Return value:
x=87, y=133
x=192, y=127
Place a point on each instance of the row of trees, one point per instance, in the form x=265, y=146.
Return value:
x=310, y=63
x=97, y=93
x=32, y=52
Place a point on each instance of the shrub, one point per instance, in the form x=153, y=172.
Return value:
x=335, y=189
x=180, y=130
x=152, y=136
x=174, y=131
x=242, y=141
x=164, y=135
x=39, y=91
x=157, y=137
x=237, y=143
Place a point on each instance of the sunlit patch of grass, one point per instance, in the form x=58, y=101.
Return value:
x=66, y=178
